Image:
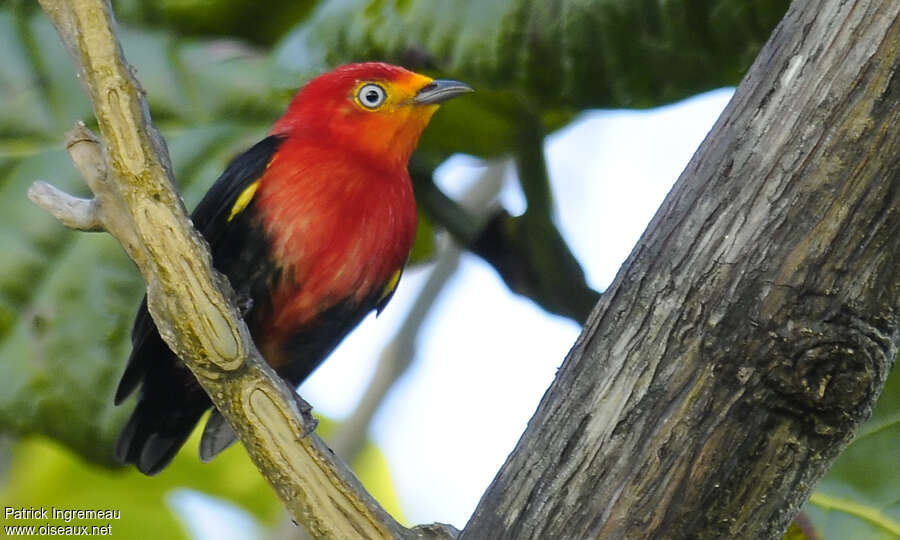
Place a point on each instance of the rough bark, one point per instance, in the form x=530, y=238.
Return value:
x=754, y=324
x=193, y=306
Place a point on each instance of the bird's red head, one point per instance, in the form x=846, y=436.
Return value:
x=375, y=109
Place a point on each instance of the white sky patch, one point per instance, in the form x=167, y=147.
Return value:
x=612, y=169
x=484, y=361
x=211, y=517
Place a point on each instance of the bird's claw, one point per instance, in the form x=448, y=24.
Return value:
x=244, y=303
x=309, y=422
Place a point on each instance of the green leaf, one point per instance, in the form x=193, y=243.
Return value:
x=543, y=59
x=187, y=81
x=423, y=247
x=571, y=53
x=270, y=18
x=859, y=498
x=44, y=475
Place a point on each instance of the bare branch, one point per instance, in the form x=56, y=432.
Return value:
x=528, y=251
x=73, y=212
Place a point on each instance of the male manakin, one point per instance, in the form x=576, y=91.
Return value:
x=312, y=226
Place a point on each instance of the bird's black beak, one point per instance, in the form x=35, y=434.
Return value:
x=439, y=91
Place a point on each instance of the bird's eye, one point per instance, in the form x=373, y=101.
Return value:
x=371, y=96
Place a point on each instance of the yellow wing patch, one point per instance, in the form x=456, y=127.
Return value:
x=389, y=289
x=243, y=200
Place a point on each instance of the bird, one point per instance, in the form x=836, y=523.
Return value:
x=313, y=226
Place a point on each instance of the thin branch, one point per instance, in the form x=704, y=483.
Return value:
x=191, y=304
x=532, y=168
x=527, y=251
x=73, y=212
x=443, y=210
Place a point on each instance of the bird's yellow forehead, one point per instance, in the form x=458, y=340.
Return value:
x=400, y=90
x=410, y=83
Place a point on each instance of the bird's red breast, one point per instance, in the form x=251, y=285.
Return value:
x=338, y=225
x=336, y=199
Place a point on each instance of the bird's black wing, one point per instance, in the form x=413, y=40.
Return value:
x=220, y=204
x=211, y=218
x=171, y=401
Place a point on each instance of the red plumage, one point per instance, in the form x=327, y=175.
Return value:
x=340, y=239
x=312, y=226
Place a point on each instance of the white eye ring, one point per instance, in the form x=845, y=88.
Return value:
x=371, y=96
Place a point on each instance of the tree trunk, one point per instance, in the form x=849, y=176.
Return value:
x=752, y=328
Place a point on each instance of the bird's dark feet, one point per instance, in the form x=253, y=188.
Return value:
x=244, y=303
x=310, y=422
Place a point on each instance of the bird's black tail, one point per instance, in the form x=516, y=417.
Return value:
x=154, y=434
x=170, y=403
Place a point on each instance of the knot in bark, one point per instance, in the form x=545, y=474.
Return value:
x=824, y=372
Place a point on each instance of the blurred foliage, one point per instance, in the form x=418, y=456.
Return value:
x=800, y=529
x=573, y=54
x=43, y=474
x=531, y=58
x=67, y=299
x=261, y=21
